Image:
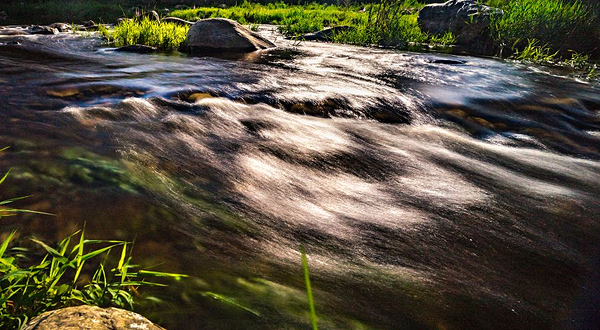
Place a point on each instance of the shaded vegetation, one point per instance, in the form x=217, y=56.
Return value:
x=47, y=12
x=559, y=25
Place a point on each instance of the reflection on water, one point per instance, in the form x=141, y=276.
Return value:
x=430, y=193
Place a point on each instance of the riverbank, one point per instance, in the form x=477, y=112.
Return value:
x=540, y=31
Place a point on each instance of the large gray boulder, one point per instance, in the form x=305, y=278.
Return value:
x=223, y=35
x=90, y=318
x=466, y=19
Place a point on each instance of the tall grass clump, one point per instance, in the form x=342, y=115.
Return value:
x=561, y=25
x=164, y=36
x=78, y=271
x=391, y=23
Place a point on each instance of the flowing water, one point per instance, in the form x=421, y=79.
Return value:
x=430, y=191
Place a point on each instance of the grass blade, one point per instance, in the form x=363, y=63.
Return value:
x=309, y=295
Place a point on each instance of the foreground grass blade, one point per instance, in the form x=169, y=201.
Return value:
x=231, y=302
x=6, y=241
x=309, y=295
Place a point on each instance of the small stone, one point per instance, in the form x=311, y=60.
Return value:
x=122, y=20
x=61, y=27
x=199, y=96
x=327, y=34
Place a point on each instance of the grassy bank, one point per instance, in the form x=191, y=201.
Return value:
x=560, y=25
x=385, y=23
x=558, y=32
x=541, y=31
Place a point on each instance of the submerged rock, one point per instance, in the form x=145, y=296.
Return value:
x=142, y=49
x=89, y=26
x=13, y=32
x=447, y=61
x=328, y=34
x=38, y=29
x=61, y=27
x=468, y=20
x=220, y=34
x=3, y=15
x=90, y=318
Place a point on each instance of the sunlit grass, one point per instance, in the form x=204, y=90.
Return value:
x=385, y=23
x=293, y=19
x=164, y=36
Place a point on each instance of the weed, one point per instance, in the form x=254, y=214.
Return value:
x=57, y=279
x=309, y=295
x=559, y=24
x=164, y=36
x=536, y=53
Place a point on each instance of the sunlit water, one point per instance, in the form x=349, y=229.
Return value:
x=430, y=191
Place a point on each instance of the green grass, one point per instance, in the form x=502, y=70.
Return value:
x=560, y=25
x=78, y=271
x=293, y=19
x=5, y=209
x=309, y=295
x=164, y=36
x=536, y=53
x=388, y=23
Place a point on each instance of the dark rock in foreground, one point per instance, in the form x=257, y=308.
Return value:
x=327, y=34
x=90, y=318
x=466, y=19
x=142, y=49
x=217, y=35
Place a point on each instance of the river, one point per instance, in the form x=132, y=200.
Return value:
x=430, y=191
